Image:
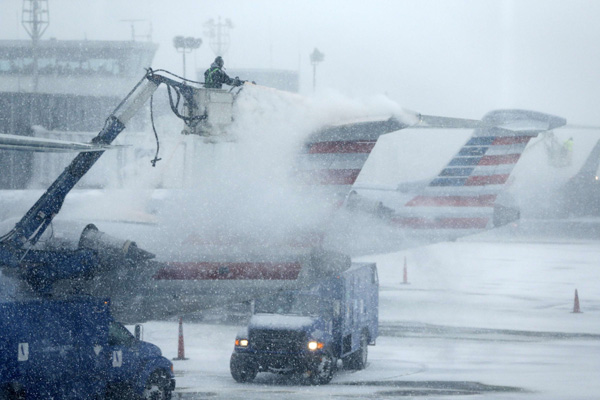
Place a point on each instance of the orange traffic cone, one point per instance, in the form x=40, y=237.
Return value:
x=576, y=309
x=180, y=349
x=405, y=274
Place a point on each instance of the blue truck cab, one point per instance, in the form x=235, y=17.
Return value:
x=73, y=349
x=309, y=330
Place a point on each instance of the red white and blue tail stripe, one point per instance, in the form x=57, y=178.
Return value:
x=333, y=157
x=464, y=196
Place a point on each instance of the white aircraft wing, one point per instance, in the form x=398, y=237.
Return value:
x=28, y=143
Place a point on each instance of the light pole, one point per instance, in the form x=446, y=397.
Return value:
x=186, y=45
x=218, y=35
x=316, y=57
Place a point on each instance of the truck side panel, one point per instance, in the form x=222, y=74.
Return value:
x=360, y=307
x=54, y=348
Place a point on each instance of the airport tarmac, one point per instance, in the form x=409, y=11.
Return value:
x=477, y=319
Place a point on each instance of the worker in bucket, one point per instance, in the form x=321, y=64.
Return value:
x=215, y=77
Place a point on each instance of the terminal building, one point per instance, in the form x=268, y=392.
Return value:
x=75, y=86
x=77, y=67
x=69, y=95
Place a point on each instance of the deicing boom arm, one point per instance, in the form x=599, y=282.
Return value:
x=28, y=230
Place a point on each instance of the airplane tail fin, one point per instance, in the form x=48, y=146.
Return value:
x=464, y=196
x=334, y=156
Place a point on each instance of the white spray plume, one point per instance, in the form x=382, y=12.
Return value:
x=244, y=190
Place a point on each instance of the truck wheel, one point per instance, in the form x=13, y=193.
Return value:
x=158, y=387
x=358, y=360
x=322, y=371
x=120, y=391
x=242, y=370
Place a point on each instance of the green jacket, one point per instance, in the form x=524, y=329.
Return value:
x=215, y=77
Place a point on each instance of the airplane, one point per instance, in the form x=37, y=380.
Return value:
x=209, y=254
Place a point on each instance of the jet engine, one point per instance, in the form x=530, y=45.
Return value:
x=110, y=248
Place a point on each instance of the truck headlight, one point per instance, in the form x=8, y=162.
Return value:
x=314, y=345
x=241, y=342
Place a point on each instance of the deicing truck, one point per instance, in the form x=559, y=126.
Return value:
x=73, y=349
x=309, y=330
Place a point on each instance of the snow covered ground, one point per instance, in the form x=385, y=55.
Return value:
x=486, y=317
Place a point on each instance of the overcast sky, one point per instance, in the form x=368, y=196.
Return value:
x=449, y=57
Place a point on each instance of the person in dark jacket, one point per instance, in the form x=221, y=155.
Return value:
x=215, y=77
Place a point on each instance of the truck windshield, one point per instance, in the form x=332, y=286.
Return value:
x=118, y=335
x=294, y=303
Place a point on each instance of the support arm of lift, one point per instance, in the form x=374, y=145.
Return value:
x=16, y=247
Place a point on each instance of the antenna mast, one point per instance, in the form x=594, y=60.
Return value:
x=35, y=19
x=148, y=37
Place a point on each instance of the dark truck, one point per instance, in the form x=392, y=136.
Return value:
x=308, y=330
x=73, y=349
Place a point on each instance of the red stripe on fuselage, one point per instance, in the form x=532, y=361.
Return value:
x=453, y=201
x=498, y=160
x=442, y=223
x=229, y=271
x=507, y=140
x=341, y=147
